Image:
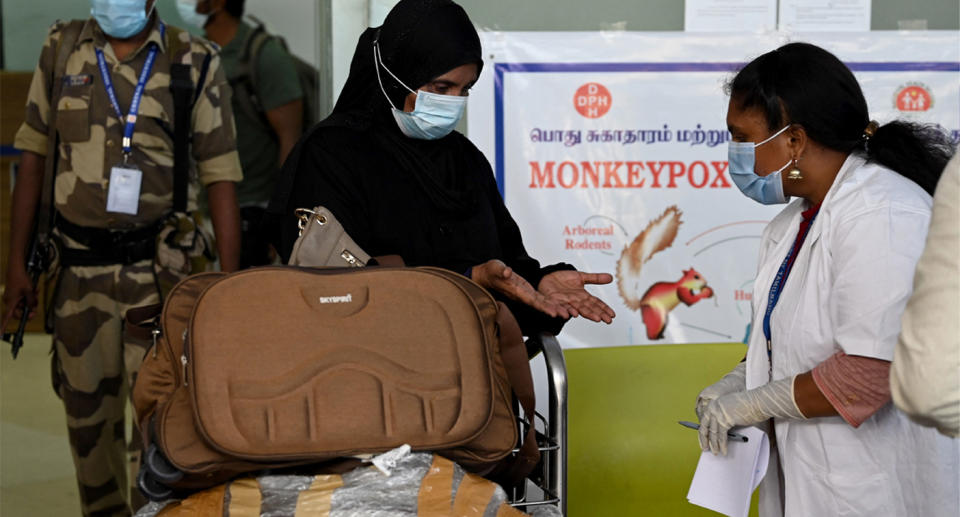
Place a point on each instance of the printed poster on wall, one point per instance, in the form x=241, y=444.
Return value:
x=610, y=150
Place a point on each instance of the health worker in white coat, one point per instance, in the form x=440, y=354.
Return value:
x=835, y=271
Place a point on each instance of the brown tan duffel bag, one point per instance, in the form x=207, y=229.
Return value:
x=281, y=366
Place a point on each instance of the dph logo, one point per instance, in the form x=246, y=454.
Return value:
x=913, y=97
x=592, y=100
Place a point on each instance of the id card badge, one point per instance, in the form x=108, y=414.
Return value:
x=123, y=194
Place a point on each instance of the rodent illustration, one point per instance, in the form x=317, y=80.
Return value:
x=662, y=297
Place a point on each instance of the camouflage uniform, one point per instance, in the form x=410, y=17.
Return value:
x=92, y=367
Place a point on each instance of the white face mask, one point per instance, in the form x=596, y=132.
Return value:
x=188, y=11
x=764, y=189
x=434, y=116
x=121, y=18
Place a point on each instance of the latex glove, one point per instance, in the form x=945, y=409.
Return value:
x=566, y=288
x=736, y=380
x=773, y=400
x=497, y=276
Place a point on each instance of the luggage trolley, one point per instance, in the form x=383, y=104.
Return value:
x=547, y=484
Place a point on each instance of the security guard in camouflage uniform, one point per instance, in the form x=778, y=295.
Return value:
x=111, y=188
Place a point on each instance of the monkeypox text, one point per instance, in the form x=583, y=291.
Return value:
x=628, y=174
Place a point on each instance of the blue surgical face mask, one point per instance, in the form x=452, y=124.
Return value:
x=120, y=18
x=188, y=11
x=763, y=189
x=434, y=116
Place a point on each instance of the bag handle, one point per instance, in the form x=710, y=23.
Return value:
x=140, y=322
x=513, y=351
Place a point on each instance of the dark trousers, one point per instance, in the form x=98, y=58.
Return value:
x=254, y=245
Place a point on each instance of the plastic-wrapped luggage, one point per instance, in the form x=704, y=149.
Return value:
x=418, y=485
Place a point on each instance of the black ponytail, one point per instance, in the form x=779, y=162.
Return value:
x=804, y=84
x=919, y=152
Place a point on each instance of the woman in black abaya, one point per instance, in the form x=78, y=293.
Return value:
x=388, y=164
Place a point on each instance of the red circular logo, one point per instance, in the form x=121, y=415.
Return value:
x=592, y=100
x=913, y=98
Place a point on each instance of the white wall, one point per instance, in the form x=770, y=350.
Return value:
x=350, y=19
x=295, y=20
x=379, y=10
x=25, y=24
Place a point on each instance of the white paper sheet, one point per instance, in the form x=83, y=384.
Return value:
x=824, y=15
x=730, y=15
x=725, y=483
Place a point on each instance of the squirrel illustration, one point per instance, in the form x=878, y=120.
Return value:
x=662, y=297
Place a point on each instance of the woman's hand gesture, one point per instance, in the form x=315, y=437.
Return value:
x=566, y=289
x=497, y=276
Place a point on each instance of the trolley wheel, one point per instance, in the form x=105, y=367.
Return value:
x=159, y=467
x=152, y=489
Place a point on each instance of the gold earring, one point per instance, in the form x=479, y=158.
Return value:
x=794, y=173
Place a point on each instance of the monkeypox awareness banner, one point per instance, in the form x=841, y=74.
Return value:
x=610, y=150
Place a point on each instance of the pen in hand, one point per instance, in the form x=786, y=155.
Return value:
x=730, y=434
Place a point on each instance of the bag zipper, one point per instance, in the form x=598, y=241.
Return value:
x=351, y=259
x=183, y=357
x=155, y=334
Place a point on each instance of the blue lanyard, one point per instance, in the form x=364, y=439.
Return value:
x=131, y=119
x=777, y=286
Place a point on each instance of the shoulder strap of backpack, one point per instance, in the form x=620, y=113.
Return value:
x=244, y=79
x=251, y=45
x=256, y=46
x=69, y=35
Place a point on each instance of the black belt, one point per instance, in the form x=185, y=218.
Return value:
x=108, y=247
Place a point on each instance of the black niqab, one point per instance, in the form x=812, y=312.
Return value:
x=418, y=41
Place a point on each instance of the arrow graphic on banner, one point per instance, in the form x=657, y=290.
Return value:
x=720, y=227
x=706, y=330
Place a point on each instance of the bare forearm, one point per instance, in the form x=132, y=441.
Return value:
x=23, y=206
x=225, y=216
x=287, y=123
x=810, y=400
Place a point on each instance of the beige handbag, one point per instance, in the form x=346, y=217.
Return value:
x=323, y=242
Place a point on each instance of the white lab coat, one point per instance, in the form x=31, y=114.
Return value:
x=847, y=290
